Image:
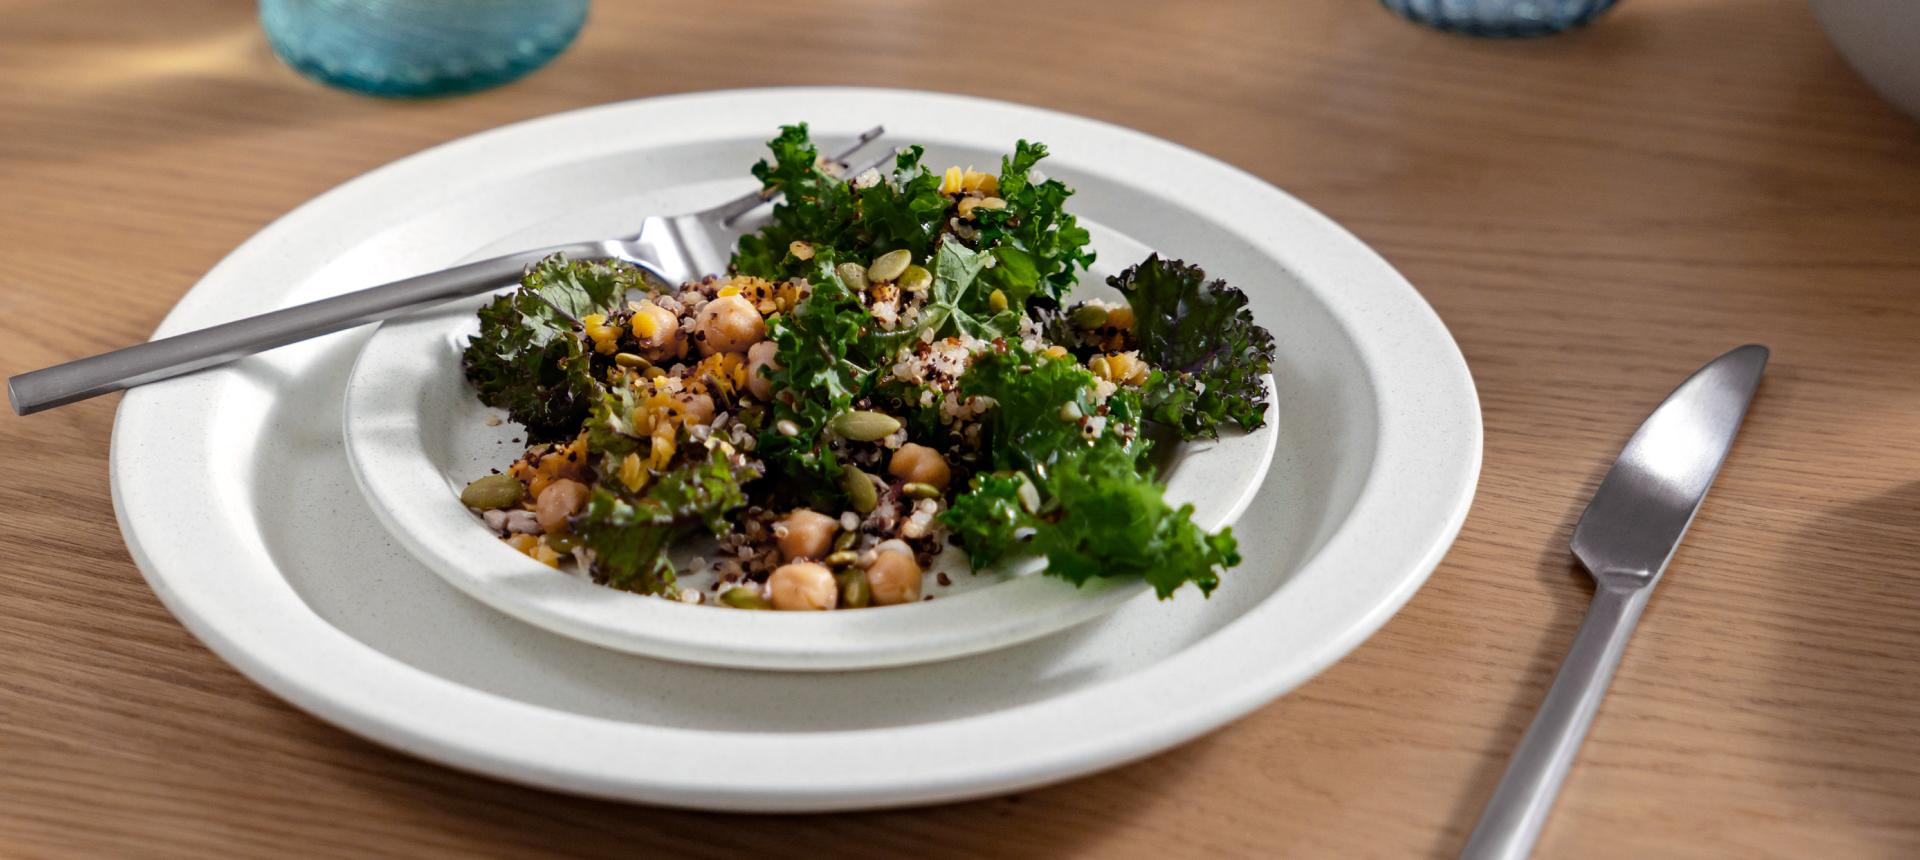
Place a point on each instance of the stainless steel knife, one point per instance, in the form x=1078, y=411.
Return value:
x=1624, y=539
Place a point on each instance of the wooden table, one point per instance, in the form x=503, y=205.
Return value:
x=1594, y=215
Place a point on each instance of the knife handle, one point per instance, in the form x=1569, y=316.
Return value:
x=1519, y=808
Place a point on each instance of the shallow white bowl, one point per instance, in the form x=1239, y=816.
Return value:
x=237, y=502
x=1881, y=40
x=416, y=434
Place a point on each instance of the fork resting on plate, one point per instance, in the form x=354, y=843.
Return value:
x=672, y=248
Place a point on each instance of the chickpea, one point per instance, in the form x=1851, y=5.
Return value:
x=803, y=586
x=697, y=408
x=558, y=501
x=728, y=324
x=658, y=332
x=760, y=356
x=915, y=463
x=806, y=534
x=894, y=576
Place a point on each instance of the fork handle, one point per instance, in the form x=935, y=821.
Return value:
x=1519, y=808
x=184, y=353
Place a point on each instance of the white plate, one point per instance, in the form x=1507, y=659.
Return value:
x=415, y=434
x=237, y=502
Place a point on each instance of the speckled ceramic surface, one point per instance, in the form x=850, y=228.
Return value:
x=415, y=434
x=235, y=496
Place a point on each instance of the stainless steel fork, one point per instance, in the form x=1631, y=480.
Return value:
x=674, y=248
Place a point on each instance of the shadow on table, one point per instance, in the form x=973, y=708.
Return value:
x=1842, y=702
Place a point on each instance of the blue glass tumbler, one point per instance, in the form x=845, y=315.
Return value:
x=415, y=48
x=1500, y=17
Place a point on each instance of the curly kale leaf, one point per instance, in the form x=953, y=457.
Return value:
x=1038, y=246
x=1037, y=249
x=610, y=430
x=1044, y=408
x=905, y=211
x=1092, y=507
x=630, y=535
x=529, y=360
x=988, y=518
x=817, y=377
x=815, y=206
x=1116, y=523
x=1202, y=336
x=1100, y=518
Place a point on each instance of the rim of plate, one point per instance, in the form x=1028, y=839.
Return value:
x=383, y=434
x=167, y=468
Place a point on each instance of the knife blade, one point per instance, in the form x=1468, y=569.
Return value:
x=1649, y=497
x=1625, y=539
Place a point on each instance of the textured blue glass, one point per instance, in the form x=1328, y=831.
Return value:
x=1500, y=17
x=410, y=48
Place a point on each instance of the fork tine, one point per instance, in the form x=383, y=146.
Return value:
x=731, y=210
x=872, y=164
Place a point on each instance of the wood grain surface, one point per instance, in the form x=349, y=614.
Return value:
x=1594, y=215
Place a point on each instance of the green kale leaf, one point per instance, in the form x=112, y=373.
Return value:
x=630, y=534
x=905, y=211
x=1100, y=518
x=1037, y=249
x=815, y=207
x=957, y=303
x=1039, y=246
x=1044, y=407
x=988, y=518
x=817, y=378
x=1202, y=337
x=1092, y=508
x=609, y=431
x=1115, y=522
x=529, y=360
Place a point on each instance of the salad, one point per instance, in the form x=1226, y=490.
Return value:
x=889, y=369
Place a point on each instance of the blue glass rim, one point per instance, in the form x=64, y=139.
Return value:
x=1500, y=18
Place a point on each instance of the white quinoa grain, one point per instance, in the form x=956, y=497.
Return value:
x=495, y=519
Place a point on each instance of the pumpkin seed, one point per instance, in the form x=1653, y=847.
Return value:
x=493, y=492
x=628, y=359
x=562, y=543
x=846, y=539
x=744, y=598
x=842, y=558
x=918, y=490
x=915, y=279
x=1029, y=495
x=855, y=591
x=862, y=426
x=859, y=489
x=889, y=265
x=854, y=274
x=1089, y=316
